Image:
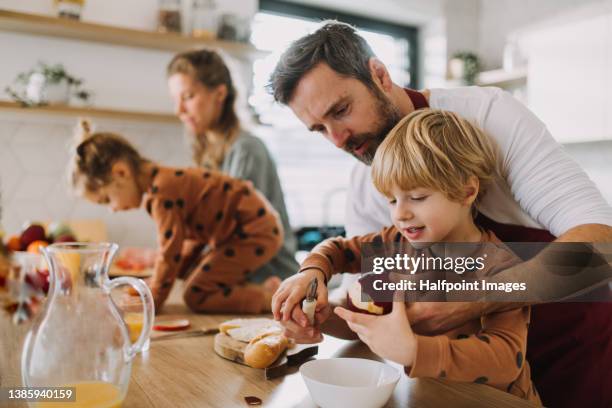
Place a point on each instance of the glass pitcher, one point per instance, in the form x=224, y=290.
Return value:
x=80, y=340
x=27, y=296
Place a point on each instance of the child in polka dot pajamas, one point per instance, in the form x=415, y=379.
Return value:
x=433, y=166
x=193, y=209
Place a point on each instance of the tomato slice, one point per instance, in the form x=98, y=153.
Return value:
x=172, y=325
x=123, y=263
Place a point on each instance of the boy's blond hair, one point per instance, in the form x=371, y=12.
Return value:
x=94, y=155
x=434, y=149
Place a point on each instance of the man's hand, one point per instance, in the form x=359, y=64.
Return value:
x=389, y=336
x=587, y=233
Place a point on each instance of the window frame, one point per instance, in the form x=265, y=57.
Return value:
x=410, y=33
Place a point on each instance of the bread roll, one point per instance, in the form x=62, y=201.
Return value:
x=256, y=342
x=246, y=329
x=263, y=350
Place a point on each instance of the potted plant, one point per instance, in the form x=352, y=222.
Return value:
x=464, y=65
x=47, y=84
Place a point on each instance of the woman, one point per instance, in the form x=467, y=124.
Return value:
x=203, y=92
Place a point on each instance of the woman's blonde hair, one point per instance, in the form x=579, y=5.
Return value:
x=94, y=156
x=434, y=149
x=208, y=68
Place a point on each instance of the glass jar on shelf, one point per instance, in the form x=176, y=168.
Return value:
x=169, y=16
x=70, y=9
x=204, y=19
x=233, y=27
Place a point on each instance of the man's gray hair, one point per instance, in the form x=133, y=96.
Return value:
x=336, y=44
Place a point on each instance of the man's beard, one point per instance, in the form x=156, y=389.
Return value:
x=387, y=117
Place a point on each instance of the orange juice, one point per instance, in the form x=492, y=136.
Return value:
x=134, y=323
x=95, y=394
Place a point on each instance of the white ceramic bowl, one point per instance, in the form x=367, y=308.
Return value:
x=349, y=382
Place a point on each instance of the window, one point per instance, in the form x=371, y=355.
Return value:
x=315, y=173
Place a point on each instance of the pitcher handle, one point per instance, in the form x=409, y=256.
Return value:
x=148, y=309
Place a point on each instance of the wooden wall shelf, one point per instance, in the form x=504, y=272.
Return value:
x=66, y=110
x=502, y=78
x=37, y=24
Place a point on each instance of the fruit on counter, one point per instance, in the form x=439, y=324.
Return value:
x=4, y=270
x=35, y=246
x=34, y=232
x=59, y=229
x=64, y=238
x=43, y=276
x=39, y=280
x=14, y=243
x=359, y=299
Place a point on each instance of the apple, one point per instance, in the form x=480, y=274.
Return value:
x=58, y=229
x=44, y=275
x=359, y=299
x=34, y=232
x=14, y=243
x=65, y=238
x=4, y=270
x=38, y=280
x=34, y=247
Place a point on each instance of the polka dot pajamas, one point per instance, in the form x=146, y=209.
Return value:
x=194, y=208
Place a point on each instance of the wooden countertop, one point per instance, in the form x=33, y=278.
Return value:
x=186, y=372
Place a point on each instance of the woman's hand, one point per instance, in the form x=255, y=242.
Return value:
x=389, y=336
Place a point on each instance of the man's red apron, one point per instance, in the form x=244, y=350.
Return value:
x=569, y=345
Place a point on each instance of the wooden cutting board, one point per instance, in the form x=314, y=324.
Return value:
x=230, y=348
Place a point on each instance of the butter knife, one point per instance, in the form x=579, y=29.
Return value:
x=191, y=333
x=310, y=303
